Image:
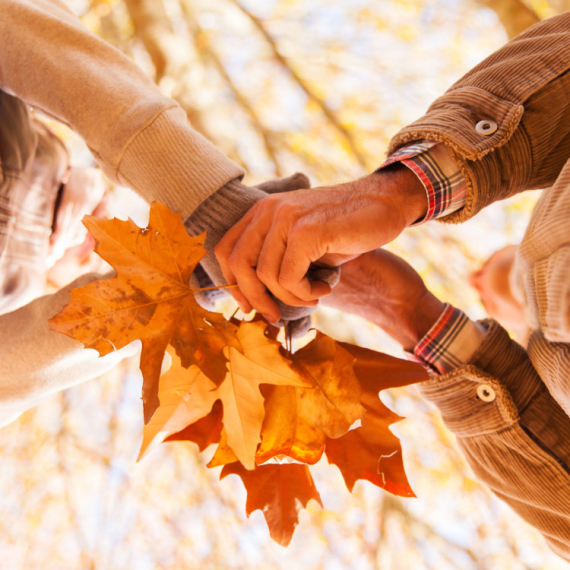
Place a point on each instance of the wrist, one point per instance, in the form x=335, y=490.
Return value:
x=405, y=190
x=419, y=319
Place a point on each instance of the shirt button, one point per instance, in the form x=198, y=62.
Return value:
x=486, y=127
x=485, y=393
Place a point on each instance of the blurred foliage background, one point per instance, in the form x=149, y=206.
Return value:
x=280, y=86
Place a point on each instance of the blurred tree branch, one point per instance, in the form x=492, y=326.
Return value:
x=321, y=103
x=170, y=55
x=515, y=15
x=204, y=49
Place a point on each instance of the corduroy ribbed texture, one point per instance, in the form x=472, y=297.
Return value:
x=523, y=87
x=518, y=444
x=517, y=468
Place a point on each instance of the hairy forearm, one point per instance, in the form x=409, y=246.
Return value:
x=405, y=324
x=386, y=291
x=398, y=184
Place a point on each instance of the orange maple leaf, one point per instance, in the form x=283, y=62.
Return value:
x=204, y=432
x=372, y=452
x=148, y=300
x=298, y=420
x=231, y=383
x=279, y=492
x=187, y=394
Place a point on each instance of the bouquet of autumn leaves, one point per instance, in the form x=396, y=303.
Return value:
x=270, y=413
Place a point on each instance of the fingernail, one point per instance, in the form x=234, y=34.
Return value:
x=270, y=318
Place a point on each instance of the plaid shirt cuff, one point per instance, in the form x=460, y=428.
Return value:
x=438, y=172
x=450, y=342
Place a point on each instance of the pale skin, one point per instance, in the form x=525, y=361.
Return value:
x=273, y=245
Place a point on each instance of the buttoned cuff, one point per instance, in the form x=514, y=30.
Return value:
x=481, y=154
x=489, y=392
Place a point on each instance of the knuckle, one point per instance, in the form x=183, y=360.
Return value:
x=283, y=281
x=220, y=251
x=268, y=204
x=233, y=263
x=264, y=275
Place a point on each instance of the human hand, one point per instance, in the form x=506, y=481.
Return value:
x=387, y=291
x=275, y=243
x=220, y=212
x=81, y=194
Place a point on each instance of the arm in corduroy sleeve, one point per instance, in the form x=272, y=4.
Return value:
x=139, y=137
x=513, y=433
x=522, y=88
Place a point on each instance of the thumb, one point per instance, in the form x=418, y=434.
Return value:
x=297, y=181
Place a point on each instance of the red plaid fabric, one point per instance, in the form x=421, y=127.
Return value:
x=438, y=172
x=454, y=338
x=450, y=342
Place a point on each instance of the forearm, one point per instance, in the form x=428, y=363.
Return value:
x=139, y=137
x=386, y=291
x=402, y=189
x=36, y=362
x=513, y=433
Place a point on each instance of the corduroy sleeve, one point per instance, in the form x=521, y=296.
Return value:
x=507, y=121
x=139, y=137
x=513, y=433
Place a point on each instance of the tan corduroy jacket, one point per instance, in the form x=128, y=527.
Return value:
x=518, y=443
x=510, y=407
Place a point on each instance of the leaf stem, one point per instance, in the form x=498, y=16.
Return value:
x=212, y=288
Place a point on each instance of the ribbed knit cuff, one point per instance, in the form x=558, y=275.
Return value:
x=220, y=211
x=170, y=162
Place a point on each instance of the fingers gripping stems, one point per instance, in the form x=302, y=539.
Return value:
x=229, y=209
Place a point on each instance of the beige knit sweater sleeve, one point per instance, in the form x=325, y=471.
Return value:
x=36, y=362
x=140, y=138
x=522, y=88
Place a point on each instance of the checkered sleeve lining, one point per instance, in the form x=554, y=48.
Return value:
x=450, y=342
x=440, y=175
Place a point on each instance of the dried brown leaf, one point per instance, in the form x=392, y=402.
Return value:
x=280, y=492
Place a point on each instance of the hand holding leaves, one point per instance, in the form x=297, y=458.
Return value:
x=232, y=383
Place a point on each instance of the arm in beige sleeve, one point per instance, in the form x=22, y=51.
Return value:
x=36, y=362
x=140, y=138
x=514, y=434
x=507, y=121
